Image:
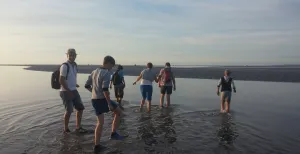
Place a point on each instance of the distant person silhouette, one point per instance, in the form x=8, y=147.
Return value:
x=227, y=84
x=69, y=93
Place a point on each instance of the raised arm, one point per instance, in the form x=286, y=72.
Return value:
x=138, y=78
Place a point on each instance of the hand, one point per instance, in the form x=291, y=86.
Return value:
x=218, y=93
x=134, y=83
x=77, y=86
x=174, y=88
x=234, y=90
x=111, y=108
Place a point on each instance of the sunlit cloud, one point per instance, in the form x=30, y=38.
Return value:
x=136, y=31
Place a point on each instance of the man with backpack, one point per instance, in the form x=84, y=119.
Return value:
x=225, y=83
x=167, y=84
x=118, y=81
x=66, y=81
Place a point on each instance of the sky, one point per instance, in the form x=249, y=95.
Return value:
x=183, y=32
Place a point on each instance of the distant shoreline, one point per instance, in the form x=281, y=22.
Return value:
x=275, y=73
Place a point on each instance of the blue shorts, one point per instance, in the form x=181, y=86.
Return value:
x=101, y=106
x=146, y=91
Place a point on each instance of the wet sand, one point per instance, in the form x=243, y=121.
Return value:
x=280, y=73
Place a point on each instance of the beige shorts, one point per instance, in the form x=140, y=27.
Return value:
x=226, y=96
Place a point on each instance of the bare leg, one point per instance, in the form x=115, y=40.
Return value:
x=120, y=111
x=98, y=129
x=222, y=105
x=66, y=120
x=149, y=106
x=227, y=106
x=116, y=121
x=120, y=103
x=162, y=97
x=168, y=100
x=78, y=118
x=142, y=103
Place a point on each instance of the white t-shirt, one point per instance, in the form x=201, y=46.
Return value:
x=72, y=76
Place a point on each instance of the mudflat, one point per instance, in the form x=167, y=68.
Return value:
x=279, y=73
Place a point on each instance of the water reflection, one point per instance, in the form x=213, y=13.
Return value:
x=156, y=130
x=226, y=133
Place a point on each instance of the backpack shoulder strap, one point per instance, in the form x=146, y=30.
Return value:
x=68, y=69
x=114, y=76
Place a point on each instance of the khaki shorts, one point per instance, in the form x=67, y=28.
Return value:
x=226, y=96
x=71, y=103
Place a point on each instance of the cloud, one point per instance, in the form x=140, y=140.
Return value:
x=175, y=29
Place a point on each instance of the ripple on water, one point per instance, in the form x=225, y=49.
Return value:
x=38, y=129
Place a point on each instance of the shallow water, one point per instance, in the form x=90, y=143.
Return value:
x=264, y=119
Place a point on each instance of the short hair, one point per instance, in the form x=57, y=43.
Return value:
x=149, y=65
x=227, y=71
x=168, y=64
x=109, y=60
x=120, y=67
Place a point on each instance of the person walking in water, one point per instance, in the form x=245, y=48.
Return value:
x=98, y=83
x=69, y=93
x=118, y=81
x=146, y=87
x=167, y=84
x=226, y=83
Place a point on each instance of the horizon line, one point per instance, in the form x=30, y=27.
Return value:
x=245, y=65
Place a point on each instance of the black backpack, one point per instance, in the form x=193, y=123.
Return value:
x=55, y=84
x=116, y=79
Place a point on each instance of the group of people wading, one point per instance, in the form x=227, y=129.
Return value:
x=101, y=80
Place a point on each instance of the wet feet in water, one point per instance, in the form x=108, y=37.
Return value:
x=116, y=136
x=140, y=109
x=81, y=130
x=67, y=130
x=99, y=148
